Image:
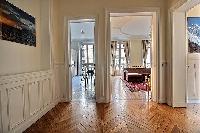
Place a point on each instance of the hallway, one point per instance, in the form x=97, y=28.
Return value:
x=128, y=112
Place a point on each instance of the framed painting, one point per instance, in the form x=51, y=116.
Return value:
x=16, y=25
x=193, y=31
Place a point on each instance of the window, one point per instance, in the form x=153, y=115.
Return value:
x=87, y=53
x=120, y=59
x=90, y=53
x=148, y=59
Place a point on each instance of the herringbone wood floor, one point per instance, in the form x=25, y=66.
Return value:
x=127, y=113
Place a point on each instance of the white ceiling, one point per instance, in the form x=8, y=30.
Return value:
x=126, y=26
x=82, y=29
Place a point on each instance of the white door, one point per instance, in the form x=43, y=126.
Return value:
x=108, y=44
x=68, y=65
x=197, y=78
x=193, y=78
x=179, y=60
x=190, y=80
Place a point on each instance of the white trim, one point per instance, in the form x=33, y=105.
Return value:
x=162, y=101
x=33, y=119
x=68, y=91
x=32, y=110
x=101, y=100
x=65, y=100
x=169, y=54
x=51, y=27
x=169, y=102
x=158, y=45
x=179, y=104
x=178, y=4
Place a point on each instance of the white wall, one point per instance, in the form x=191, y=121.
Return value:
x=45, y=35
x=194, y=12
x=19, y=58
x=30, y=94
x=90, y=8
x=136, y=53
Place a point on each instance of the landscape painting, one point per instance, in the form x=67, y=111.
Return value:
x=16, y=25
x=193, y=27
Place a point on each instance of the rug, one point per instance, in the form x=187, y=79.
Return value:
x=133, y=87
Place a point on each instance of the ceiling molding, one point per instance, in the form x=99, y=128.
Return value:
x=131, y=27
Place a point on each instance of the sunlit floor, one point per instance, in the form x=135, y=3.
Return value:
x=129, y=112
x=80, y=91
x=121, y=92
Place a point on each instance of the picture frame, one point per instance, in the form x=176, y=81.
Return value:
x=193, y=33
x=16, y=25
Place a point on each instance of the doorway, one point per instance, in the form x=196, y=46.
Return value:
x=185, y=54
x=133, y=38
x=82, y=59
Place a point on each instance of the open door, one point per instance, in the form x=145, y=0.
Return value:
x=80, y=60
x=108, y=52
x=179, y=60
x=68, y=64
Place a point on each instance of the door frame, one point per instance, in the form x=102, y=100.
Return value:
x=160, y=63
x=67, y=57
x=179, y=9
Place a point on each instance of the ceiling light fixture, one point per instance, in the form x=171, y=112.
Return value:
x=82, y=32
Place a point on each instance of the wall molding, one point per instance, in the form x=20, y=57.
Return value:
x=179, y=104
x=29, y=95
x=37, y=116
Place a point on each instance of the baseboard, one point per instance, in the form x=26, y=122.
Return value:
x=193, y=101
x=179, y=104
x=169, y=102
x=65, y=100
x=162, y=100
x=35, y=117
x=101, y=100
x=107, y=101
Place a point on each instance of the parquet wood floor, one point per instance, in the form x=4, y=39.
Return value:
x=127, y=113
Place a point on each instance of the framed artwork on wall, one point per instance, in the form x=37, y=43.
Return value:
x=193, y=32
x=16, y=25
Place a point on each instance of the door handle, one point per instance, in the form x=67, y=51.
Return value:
x=164, y=63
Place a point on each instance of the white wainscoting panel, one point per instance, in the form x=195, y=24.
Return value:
x=59, y=84
x=16, y=106
x=34, y=97
x=1, y=126
x=47, y=92
x=24, y=98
